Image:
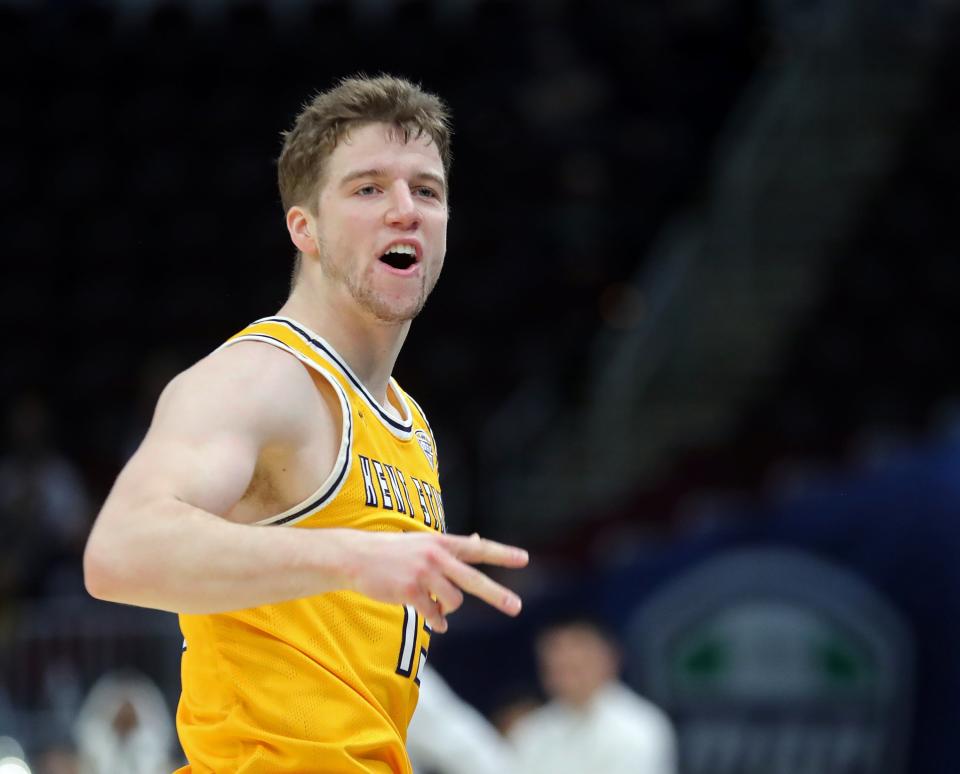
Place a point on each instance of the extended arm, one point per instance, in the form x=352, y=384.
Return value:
x=161, y=540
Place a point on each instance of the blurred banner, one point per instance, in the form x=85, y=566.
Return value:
x=775, y=662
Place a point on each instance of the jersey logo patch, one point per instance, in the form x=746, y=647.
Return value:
x=425, y=444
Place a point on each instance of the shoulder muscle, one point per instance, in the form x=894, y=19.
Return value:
x=213, y=420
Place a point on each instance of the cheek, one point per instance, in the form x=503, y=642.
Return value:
x=436, y=221
x=356, y=228
x=440, y=241
x=348, y=239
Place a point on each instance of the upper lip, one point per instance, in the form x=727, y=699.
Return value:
x=415, y=244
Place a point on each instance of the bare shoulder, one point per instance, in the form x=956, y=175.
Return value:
x=251, y=386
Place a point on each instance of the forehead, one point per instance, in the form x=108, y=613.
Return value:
x=381, y=146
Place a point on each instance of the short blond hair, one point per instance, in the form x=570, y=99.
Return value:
x=356, y=101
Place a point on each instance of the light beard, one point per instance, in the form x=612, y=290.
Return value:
x=372, y=301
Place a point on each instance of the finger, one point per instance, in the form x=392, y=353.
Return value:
x=444, y=592
x=431, y=612
x=474, y=582
x=478, y=550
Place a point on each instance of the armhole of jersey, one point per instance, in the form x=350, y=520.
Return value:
x=331, y=486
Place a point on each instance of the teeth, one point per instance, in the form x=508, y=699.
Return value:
x=404, y=249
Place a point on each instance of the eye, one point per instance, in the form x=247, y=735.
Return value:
x=427, y=192
x=367, y=190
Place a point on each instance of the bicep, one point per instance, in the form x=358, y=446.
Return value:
x=201, y=448
x=211, y=424
x=209, y=472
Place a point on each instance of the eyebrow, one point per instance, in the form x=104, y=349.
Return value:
x=373, y=172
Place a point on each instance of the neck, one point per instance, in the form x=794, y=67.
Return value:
x=581, y=700
x=370, y=346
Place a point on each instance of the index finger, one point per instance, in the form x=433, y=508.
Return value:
x=478, y=550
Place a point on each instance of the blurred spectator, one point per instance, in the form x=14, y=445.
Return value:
x=592, y=723
x=448, y=736
x=44, y=506
x=512, y=707
x=124, y=727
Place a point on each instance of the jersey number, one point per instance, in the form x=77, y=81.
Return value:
x=408, y=643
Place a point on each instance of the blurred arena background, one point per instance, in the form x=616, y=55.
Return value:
x=694, y=345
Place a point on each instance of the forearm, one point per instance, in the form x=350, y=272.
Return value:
x=173, y=556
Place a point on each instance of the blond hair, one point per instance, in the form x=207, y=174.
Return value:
x=330, y=115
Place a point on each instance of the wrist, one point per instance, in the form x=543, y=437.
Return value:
x=335, y=558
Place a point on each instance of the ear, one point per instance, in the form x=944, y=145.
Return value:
x=302, y=229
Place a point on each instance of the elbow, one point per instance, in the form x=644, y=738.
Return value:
x=99, y=577
x=107, y=571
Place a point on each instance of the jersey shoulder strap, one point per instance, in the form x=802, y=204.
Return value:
x=277, y=332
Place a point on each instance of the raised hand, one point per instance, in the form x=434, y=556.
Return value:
x=430, y=571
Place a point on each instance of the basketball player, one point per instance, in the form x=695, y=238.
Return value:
x=286, y=501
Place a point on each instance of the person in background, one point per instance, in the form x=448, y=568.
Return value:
x=592, y=721
x=514, y=704
x=124, y=727
x=448, y=736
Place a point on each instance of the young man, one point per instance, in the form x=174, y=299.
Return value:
x=592, y=721
x=303, y=646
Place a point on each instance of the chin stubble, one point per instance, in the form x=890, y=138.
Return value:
x=379, y=307
x=367, y=297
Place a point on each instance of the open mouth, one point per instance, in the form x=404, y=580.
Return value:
x=400, y=257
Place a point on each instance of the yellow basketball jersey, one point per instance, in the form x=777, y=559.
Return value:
x=327, y=683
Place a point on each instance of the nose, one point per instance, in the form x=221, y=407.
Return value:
x=403, y=211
